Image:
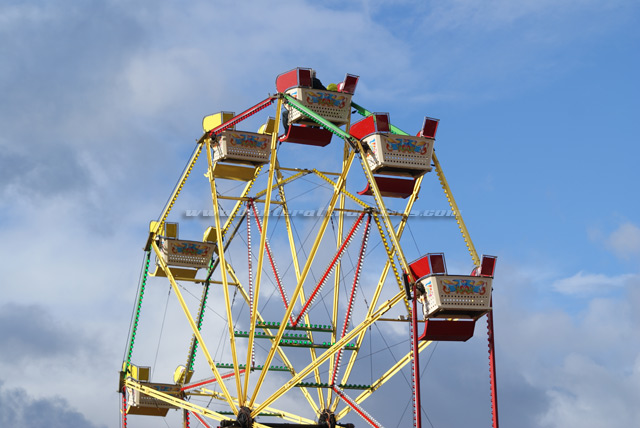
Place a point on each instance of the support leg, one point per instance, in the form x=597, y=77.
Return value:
x=415, y=361
x=492, y=369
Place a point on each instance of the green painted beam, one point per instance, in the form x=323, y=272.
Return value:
x=301, y=327
x=326, y=385
x=259, y=367
x=317, y=118
x=309, y=344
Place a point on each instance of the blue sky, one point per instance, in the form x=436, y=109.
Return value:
x=538, y=104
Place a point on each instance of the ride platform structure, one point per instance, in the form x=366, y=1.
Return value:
x=298, y=275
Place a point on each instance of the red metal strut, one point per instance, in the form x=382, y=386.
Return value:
x=415, y=362
x=337, y=257
x=492, y=369
x=354, y=289
x=283, y=294
x=242, y=116
x=124, y=407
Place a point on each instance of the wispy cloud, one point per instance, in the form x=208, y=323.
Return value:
x=586, y=393
x=585, y=362
x=19, y=409
x=585, y=284
x=625, y=241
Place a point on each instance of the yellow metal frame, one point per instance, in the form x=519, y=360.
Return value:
x=303, y=276
x=194, y=327
x=280, y=351
x=339, y=195
x=176, y=192
x=385, y=307
x=336, y=278
x=383, y=210
x=378, y=290
x=284, y=415
x=456, y=211
x=130, y=383
x=225, y=281
x=395, y=260
x=384, y=378
x=263, y=237
x=238, y=205
x=296, y=267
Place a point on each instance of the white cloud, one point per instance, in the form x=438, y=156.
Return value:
x=625, y=241
x=585, y=284
x=474, y=49
x=588, y=394
x=583, y=359
x=468, y=15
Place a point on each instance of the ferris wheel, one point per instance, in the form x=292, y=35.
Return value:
x=292, y=293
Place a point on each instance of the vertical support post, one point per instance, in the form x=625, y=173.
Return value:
x=416, y=360
x=336, y=280
x=124, y=407
x=225, y=280
x=185, y=419
x=492, y=369
x=299, y=286
x=383, y=277
x=296, y=267
x=263, y=237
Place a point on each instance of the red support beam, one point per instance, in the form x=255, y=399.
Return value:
x=242, y=116
x=337, y=257
x=354, y=289
x=415, y=363
x=356, y=408
x=285, y=299
x=250, y=273
x=198, y=417
x=492, y=369
x=124, y=408
x=208, y=381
